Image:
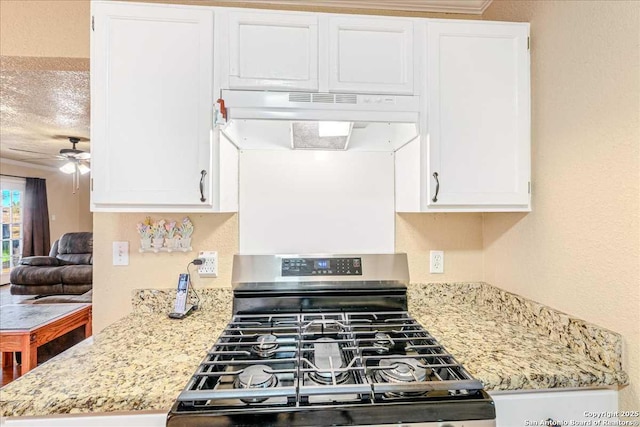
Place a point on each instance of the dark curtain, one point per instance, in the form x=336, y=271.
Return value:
x=36, y=239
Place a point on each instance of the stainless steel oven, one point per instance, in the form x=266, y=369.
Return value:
x=327, y=340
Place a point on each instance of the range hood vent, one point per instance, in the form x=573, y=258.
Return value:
x=323, y=98
x=248, y=104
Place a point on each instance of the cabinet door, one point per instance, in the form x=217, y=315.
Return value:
x=273, y=51
x=562, y=407
x=151, y=109
x=373, y=55
x=478, y=115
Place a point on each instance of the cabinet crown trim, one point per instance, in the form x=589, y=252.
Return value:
x=475, y=7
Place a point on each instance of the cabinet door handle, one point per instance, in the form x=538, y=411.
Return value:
x=435, y=198
x=203, y=173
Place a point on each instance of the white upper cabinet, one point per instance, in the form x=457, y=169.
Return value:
x=319, y=52
x=371, y=55
x=478, y=116
x=273, y=51
x=474, y=149
x=151, y=108
x=157, y=70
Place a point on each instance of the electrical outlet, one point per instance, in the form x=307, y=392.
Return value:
x=209, y=267
x=436, y=262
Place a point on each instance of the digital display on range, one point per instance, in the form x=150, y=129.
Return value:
x=322, y=264
x=322, y=267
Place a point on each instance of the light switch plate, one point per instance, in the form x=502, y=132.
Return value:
x=209, y=266
x=120, y=253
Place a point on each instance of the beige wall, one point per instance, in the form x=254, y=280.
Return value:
x=67, y=211
x=578, y=251
x=112, y=285
x=45, y=28
x=459, y=235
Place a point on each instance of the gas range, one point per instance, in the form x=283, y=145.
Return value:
x=304, y=349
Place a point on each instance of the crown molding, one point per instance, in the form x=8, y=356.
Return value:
x=27, y=165
x=473, y=7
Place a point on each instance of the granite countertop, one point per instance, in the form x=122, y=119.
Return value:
x=144, y=360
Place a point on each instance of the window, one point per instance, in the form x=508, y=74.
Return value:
x=12, y=202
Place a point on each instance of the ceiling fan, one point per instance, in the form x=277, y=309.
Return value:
x=76, y=161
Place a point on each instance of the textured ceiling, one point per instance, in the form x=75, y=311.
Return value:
x=42, y=102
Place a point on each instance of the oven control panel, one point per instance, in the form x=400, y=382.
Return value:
x=322, y=266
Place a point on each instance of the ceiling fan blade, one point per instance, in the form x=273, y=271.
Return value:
x=51, y=156
x=83, y=156
x=39, y=158
x=29, y=151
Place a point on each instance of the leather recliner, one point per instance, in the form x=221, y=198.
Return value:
x=67, y=270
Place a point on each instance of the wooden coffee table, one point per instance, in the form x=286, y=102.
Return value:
x=25, y=327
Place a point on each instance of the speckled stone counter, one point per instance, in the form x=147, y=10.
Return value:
x=143, y=361
x=511, y=343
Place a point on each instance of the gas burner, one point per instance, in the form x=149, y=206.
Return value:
x=383, y=342
x=266, y=347
x=402, y=370
x=255, y=376
x=323, y=326
x=327, y=357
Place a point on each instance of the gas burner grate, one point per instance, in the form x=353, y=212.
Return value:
x=309, y=358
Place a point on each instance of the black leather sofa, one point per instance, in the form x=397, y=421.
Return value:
x=68, y=270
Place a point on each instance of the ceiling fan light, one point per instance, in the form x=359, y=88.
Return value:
x=83, y=169
x=68, y=167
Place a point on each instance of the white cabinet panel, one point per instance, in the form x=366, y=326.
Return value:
x=373, y=55
x=478, y=115
x=407, y=177
x=228, y=175
x=151, y=111
x=564, y=407
x=273, y=50
x=129, y=419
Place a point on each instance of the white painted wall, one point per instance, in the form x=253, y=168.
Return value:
x=305, y=201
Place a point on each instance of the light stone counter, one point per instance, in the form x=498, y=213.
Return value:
x=143, y=361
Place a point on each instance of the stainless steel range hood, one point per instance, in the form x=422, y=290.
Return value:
x=294, y=120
